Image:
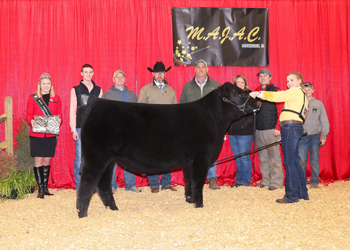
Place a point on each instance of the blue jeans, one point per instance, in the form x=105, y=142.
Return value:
x=240, y=144
x=77, y=159
x=165, y=181
x=310, y=144
x=295, y=183
x=129, y=179
x=212, y=172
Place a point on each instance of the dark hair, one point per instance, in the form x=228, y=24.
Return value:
x=86, y=66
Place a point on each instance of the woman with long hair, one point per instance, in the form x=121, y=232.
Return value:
x=241, y=134
x=42, y=145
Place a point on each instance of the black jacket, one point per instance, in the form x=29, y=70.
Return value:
x=267, y=116
x=81, y=89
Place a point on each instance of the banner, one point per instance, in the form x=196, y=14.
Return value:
x=220, y=36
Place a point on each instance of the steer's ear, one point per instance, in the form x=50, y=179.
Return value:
x=225, y=89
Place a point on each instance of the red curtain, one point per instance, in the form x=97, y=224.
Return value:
x=58, y=37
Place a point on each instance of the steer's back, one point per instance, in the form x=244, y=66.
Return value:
x=143, y=134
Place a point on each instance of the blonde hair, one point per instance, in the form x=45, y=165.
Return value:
x=45, y=76
x=299, y=77
x=246, y=87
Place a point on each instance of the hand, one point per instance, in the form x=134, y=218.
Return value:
x=322, y=143
x=32, y=122
x=254, y=94
x=75, y=136
x=276, y=133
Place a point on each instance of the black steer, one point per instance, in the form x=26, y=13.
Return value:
x=148, y=138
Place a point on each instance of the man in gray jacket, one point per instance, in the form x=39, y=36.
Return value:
x=316, y=124
x=195, y=89
x=119, y=92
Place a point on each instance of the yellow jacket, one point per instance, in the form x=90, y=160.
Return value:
x=293, y=99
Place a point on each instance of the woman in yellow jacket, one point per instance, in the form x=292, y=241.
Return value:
x=291, y=132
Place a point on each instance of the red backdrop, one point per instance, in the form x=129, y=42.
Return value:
x=58, y=37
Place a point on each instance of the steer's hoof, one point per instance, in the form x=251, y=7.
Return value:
x=81, y=214
x=198, y=206
x=112, y=207
x=189, y=199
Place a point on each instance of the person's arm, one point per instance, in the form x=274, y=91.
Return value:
x=183, y=97
x=324, y=124
x=256, y=94
x=174, y=100
x=134, y=98
x=143, y=96
x=279, y=107
x=30, y=111
x=73, y=115
x=101, y=93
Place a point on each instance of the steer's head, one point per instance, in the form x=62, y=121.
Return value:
x=239, y=99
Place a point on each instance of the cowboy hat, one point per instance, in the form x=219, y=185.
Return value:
x=158, y=67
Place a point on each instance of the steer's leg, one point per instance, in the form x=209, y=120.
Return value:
x=90, y=176
x=104, y=187
x=198, y=179
x=188, y=190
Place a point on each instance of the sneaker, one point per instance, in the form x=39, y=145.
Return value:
x=135, y=190
x=261, y=186
x=271, y=188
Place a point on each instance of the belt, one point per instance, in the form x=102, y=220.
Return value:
x=290, y=121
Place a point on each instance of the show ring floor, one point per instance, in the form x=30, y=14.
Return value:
x=232, y=218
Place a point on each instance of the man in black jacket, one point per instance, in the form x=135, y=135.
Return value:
x=78, y=100
x=267, y=132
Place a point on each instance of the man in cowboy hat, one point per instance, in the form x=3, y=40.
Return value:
x=158, y=92
x=200, y=86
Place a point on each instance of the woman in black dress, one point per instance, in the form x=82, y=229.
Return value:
x=42, y=145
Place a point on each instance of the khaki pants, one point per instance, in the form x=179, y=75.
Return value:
x=270, y=159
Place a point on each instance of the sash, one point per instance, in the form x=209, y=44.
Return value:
x=42, y=105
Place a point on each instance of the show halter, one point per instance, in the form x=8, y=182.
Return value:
x=240, y=107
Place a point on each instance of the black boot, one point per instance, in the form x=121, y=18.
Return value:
x=38, y=171
x=46, y=173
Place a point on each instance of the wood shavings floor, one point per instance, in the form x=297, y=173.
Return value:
x=242, y=218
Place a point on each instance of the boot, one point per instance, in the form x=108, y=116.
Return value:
x=40, y=181
x=46, y=173
x=212, y=183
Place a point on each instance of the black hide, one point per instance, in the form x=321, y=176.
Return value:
x=148, y=138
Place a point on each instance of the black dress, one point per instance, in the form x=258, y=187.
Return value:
x=43, y=147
